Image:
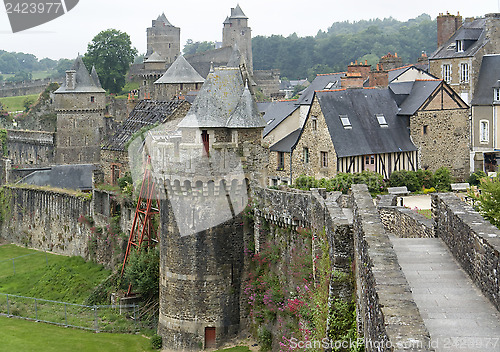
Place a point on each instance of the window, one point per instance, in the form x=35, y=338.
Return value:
x=92, y=99
x=459, y=46
x=424, y=129
x=324, y=159
x=381, y=120
x=496, y=94
x=345, y=121
x=306, y=155
x=205, y=138
x=447, y=73
x=484, y=133
x=464, y=72
x=314, y=123
x=329, y=85
x=281, y=160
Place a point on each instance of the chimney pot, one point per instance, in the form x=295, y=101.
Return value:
x=70, y=79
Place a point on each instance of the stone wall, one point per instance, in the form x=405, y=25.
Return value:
x=404, y=222
x=25, y=148
x=472, y=240
x=14, y=89
x=55, y=221
x=387, y=314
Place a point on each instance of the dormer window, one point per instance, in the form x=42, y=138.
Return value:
x=329, y=85
x=381, y=120
x=496, y=94
x=345, y=122
x=460, y=46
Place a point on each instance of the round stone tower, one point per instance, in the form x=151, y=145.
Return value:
x=237, y=32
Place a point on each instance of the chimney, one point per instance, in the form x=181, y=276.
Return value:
x=352, y=80
x=379, y=78
x=389, y=62
x=447, y=25
x=70, y=79
x=362, y=69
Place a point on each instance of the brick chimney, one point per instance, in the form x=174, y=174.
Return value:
x=390, y=62
x=352, y=80
x=447, y=25
x=363, y=69
x=379, y=78
x=70, y=79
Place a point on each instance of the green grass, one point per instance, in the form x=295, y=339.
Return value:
x=68, y=279
x=16, y=103
x=425, y=212
x=26, y=336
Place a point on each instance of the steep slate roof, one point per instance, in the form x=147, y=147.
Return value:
x=366, y=135
x=420, y=92
x=163, y=18
x=320, y=83
x=77, y=177
x=146, y=113
x=401, y=91
x=95, y=77
x=287, y=143
x=489, y=78
x=277, y=112
x=180, y=72
x=237, y=13
x=84, y=82
x=155, y=57
x=217, y=100
x=246, y=114
x=473, y=31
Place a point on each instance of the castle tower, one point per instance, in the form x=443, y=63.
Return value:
x=80, y=105
x=236, y=32
x=164, y=39
x=180, y=78
x=202, y=238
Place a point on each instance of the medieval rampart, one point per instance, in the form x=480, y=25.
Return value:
x=13, y=89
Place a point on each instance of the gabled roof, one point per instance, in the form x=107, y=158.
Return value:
x=246, y=114
x=321, y=82
x=146, y=113
x=287, y=143
x=277, y=112
x=473, y=31
x=421, y=90
x=237, y=13
x=163, y=18
x=361, y=106
x=489, y=78
x=155, y=57
x=180, y=72
x=84, y=83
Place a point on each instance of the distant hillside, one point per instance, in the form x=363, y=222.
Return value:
x=330, y=51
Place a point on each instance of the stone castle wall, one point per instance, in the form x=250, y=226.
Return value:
x=25, y=148
x=14, y=89
x=472, y=240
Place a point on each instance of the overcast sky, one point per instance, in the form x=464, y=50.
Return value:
x=202, y=20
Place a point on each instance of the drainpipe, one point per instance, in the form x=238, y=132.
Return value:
x=291, y=154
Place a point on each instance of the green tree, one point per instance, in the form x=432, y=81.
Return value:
x=192, y=47
x=62, y=66
x=143, y=272
x=111, y=53
x=488, y=202
x=27, y=103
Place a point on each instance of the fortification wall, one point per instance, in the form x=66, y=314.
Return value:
x=56, y=221
x=25, y=148
x=387, y=314
x=14, y=89
x=472, y=240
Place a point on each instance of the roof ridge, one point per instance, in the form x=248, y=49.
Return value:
x=399, y=68
x=428, y=79
x=329, y=74
x=329, y=90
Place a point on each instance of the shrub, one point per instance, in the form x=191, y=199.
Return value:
x=475, y=178
x=265, y=338
x=373, y=180
x=143, y=272
x=405, y=178
x=488, y=202
x=305, y=182
x=156, y=342
x=429, y=190
x=342, y=182
x=443, y=179
x=425, y=178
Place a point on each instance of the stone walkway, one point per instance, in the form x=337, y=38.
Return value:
x=456, y=313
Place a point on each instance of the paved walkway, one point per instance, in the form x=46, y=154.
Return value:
x=457, y=315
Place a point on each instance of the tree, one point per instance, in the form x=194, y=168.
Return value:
x=192, y=47
x=111, y=53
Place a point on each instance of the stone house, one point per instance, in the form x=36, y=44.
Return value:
x=458, y=58
x=485, y=111
x=281, y=117
x=80, y=104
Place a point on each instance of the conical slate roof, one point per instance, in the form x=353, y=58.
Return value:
x=95, y=77
x=155, y=57
x=84, y=83
x=163, y=18
x=235, y=59
x=217, y=99
x=180, y=72
x=227, y=21
x=238, y=13
x=246, y=114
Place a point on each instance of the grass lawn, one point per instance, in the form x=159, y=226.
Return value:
x=425, y=212
x=16, y=103
x=23, y=335
x=53, y=277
